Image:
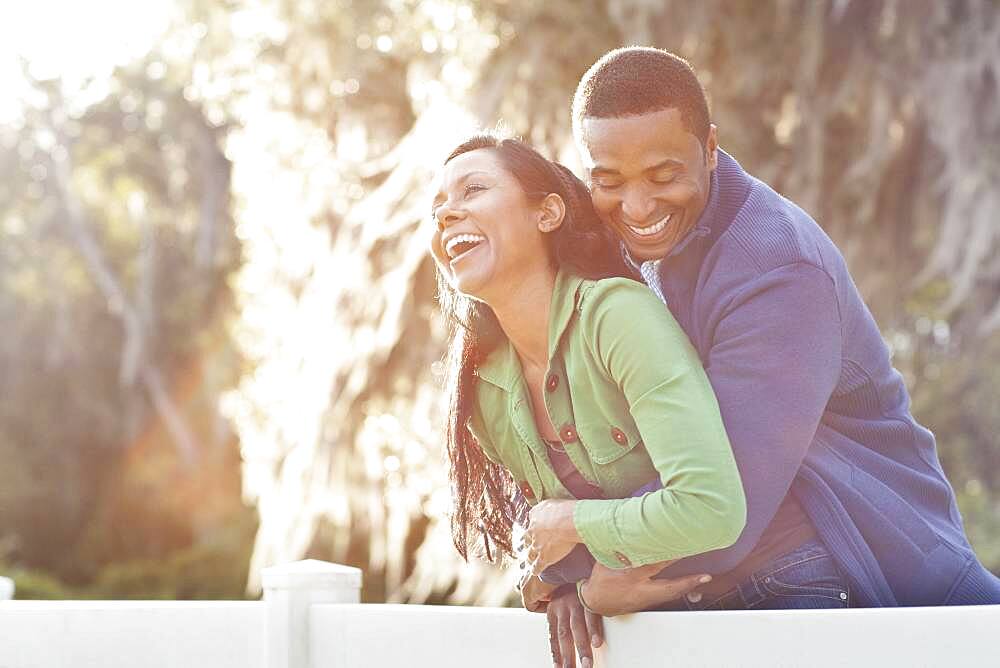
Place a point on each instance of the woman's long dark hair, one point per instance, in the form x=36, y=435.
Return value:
x=486, y=498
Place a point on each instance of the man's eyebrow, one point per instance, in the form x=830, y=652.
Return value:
x=603, y=171
x=668, y=163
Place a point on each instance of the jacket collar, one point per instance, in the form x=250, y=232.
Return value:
x=502, y=367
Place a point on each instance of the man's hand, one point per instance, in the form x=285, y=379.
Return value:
x=551, y=533
x=611, y=592
x=572, y=631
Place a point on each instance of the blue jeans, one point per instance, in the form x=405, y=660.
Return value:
x=806, y=577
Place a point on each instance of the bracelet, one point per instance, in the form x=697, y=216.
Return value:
x=579, y=596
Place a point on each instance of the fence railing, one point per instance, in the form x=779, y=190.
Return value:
x=311, y=617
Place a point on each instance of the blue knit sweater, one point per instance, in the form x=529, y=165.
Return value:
x=812, y=403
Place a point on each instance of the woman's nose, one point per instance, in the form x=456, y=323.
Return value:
x=446, y=215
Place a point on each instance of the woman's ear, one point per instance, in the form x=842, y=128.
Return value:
x=553, y=211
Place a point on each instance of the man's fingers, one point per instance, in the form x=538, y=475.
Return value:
x=554, y=637
x=581, y=636
x=649, y=570
x=595, y=628
x=677, y=587
x=565, y=636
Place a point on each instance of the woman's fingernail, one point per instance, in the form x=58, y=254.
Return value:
x=694, y=597
x=585, y=662
x=705, y=579
x=596, y=641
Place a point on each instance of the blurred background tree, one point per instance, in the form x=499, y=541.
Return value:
x=236, y=221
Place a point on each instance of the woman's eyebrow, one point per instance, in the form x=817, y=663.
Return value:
x=465, y=177
x=469, y=175
x=439, y=198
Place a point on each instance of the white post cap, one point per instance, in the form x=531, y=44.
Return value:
x=310, y=574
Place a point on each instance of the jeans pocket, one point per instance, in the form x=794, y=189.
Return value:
x=813, y=581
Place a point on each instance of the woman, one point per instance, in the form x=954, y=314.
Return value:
x=566, y=376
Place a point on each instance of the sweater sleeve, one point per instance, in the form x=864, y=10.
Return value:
x=774, y=362
x=701, y=505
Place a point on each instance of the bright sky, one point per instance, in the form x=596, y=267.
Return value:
x=72, y=39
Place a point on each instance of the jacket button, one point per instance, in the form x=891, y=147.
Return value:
x=552, y=382
x=619, y=436
x=527, y=491
x=623, y=559
x=567, y=433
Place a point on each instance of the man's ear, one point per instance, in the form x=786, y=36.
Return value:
x=553, y=212
x=712, y=147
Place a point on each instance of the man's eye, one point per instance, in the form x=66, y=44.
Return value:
x=607, y=185
x=663, y=178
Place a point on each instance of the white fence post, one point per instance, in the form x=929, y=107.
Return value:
x=289, y=591
x=6, y=589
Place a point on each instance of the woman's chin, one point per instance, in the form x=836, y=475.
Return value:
x=472, y=283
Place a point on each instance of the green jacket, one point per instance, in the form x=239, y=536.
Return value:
x=637, y=404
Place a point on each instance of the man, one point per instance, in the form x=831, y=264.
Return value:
x=832, y=461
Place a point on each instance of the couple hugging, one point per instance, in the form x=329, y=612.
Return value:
x=728, y=433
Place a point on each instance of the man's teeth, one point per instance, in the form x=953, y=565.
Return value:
x=452, y=246
x=651, y=230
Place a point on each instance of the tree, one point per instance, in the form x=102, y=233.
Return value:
x=118, y=243
x=861, y=112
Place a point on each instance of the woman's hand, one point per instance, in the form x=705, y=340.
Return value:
x=551, y=533
x=535, y=594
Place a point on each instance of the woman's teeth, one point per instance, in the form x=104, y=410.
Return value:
x=462, y=243
x=651, y=230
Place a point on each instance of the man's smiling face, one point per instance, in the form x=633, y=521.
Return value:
x=649, y=177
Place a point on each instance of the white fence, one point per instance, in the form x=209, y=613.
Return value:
x=310, y=618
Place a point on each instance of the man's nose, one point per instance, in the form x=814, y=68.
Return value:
x=637, y=205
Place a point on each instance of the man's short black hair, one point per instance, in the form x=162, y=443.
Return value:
x=639, y=80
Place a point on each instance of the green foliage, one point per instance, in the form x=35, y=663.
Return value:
x=213, y=569
x=118, y=247
x=38, y=585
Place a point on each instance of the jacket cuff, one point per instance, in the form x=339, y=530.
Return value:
x=595, y=522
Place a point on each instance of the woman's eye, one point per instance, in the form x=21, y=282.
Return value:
x=473, y=187
x=607, y=185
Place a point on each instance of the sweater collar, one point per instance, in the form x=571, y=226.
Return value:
x=729, y=191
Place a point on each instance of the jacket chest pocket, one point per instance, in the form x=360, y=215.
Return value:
x=606, y=443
